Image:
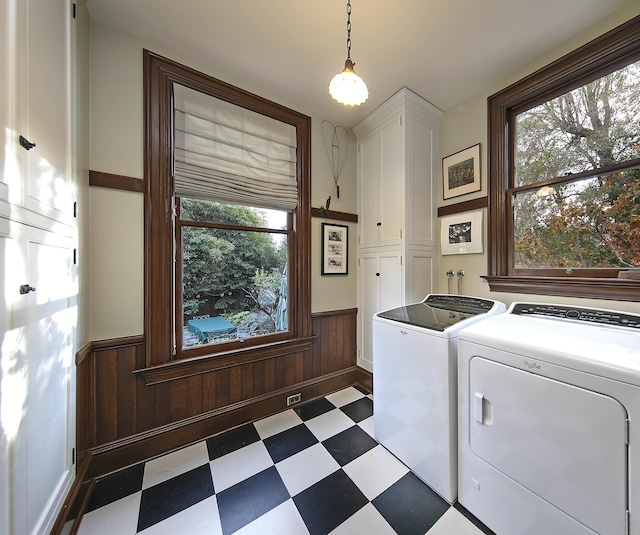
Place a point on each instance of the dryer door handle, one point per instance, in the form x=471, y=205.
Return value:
x=478, y=407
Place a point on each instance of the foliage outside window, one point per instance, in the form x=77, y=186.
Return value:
x=234, y=267
x=564, y=165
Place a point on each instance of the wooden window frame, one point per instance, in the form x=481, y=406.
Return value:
x=611, y=51
x=159, y=76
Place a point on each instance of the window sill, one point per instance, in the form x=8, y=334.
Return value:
x=179, y=369
x=602, y=288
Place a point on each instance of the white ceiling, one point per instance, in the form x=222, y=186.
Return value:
x=288, y=50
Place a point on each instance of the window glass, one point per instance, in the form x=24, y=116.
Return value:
x=234, y=280
x=591, y=127
x=590, y=223
x=565, y=213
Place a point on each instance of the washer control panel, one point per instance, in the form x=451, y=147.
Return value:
x=461, y=303
x=589, y=315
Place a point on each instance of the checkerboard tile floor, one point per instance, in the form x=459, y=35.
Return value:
x=314, y=469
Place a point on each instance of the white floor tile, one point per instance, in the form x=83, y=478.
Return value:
x=201, y=518
x=119, y=517
x=367, y=521
x=303, y=469
x=328, y=424
x=345, y=396
x=282, y=520
x=375, y=471
x=453, y=522
x=367, y=425
x=239, y=465
x=174, y=463
x=277, y=423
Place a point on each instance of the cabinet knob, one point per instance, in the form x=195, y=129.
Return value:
x=25, y=143
x=379, y=224
x=25, y=289
x=377, y=274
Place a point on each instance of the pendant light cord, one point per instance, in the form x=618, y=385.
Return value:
x=349, y=29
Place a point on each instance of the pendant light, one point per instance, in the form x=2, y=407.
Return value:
x=347, y=87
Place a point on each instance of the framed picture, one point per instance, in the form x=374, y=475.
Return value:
x=461, y=233
x=461, y=172
x=335, y=249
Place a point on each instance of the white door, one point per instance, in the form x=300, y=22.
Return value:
x=368, y=189
x=563, y=443
x=38, y=378
x=380, y=280
x=391, y=182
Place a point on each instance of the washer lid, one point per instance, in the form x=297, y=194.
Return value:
x=438, y=312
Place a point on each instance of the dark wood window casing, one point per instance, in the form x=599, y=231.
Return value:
x=159, y=76
x=611, y=51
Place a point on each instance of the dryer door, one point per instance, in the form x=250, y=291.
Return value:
x=564, y=443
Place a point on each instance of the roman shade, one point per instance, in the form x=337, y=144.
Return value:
x=227, y=153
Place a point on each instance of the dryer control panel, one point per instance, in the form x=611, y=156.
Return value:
x=589, y=315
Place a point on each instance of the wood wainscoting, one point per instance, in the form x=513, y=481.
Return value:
x=126, y=414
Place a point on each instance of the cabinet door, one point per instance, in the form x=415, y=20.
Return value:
x=38, y=376
x=391, y=182
x=380, y=279
x=44, y=109
x=368, y=184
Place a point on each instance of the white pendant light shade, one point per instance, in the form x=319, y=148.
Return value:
x=347, y=87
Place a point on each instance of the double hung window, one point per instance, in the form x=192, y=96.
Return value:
x=564, y=165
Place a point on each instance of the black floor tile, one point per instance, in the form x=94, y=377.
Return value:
x=362, y=389
x=249, y=499
x=349, y=444
x=410, y=507
x=232, y=440
x=314, y=408
x=289, y=442
x=116, y=486
x=177, y=494
x=328, y=503
x=473, y=519
x=359, y=410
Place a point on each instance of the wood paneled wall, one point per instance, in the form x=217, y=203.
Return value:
x=127, y=413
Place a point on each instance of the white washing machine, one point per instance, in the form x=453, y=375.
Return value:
x=549, y=430
x=414, y=383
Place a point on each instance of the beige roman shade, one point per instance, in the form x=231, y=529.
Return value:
x=227, y=153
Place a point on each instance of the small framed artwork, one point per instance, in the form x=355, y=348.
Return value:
x=335, y=249
x=461, y=233
x=461, y=172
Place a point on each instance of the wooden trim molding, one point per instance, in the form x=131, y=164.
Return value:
x=465, y=206
x=107, y=180
x=179, y=369
x=331, y=214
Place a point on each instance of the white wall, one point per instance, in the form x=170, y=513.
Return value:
x=465, y=125
x=116, y=218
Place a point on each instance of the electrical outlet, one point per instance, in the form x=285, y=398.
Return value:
x=294, y=399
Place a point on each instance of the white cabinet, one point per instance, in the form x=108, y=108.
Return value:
x=397, y=168
x=380, y=287
x=37, y=248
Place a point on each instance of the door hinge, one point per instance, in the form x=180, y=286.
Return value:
x=75, y=208
x=74, y=10
x=75, y=257
x=401, y=120
x=73, y=456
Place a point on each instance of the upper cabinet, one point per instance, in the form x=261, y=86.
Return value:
x=397, y=170
x=37, y=114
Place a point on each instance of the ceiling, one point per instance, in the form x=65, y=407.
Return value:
x=288, y=50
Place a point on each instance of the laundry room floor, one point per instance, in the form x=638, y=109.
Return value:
x=314, y=469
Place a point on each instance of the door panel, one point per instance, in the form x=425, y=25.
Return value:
x=564, y=443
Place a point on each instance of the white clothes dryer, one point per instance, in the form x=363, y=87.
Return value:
x=549, y=428
x=415, y=383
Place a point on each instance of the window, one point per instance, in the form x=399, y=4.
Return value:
x=564, y=174
x=232, y=258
